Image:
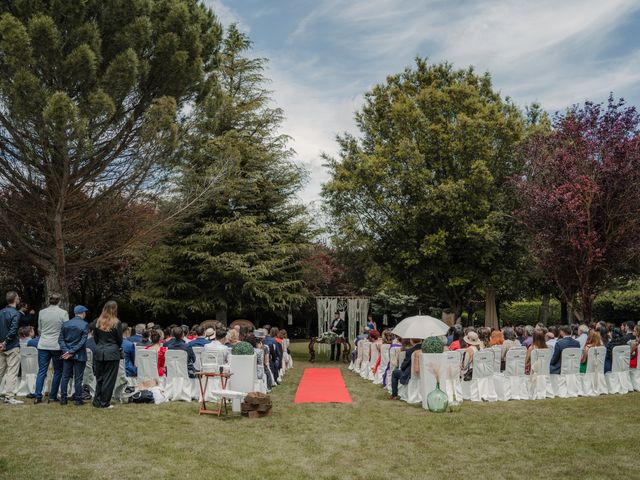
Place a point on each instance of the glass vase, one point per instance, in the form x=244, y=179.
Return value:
x=437, y=400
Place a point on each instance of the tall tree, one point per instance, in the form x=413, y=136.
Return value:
x=581, y=199
x=88, y=96
x=243, y=248
x=425, y=187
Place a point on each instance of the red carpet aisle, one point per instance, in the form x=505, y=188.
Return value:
x=322, y=385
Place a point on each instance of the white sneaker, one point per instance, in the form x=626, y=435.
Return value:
x=110, y=406
x=13, y=401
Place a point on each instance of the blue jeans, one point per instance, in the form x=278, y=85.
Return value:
x=395, y=378
x=75, y=368
x=44, y=357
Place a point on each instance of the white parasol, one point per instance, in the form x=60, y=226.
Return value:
x=420, y=326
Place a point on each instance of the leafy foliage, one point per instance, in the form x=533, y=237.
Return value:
x=242, y=348
x=581, y=199
x=424, y=190
x=243, y=247
x=432, y=345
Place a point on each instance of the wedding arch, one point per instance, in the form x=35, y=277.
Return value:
x=356, y=309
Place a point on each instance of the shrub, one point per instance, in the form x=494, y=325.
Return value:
x=242, y=348
x=432, y=345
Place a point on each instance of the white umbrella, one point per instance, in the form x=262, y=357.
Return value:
x=420, y=326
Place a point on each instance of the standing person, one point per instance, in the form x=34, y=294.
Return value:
x=73, y=341
x=27, y=315
x=50, y=321
x=337, y=327
x=10, y=347
x=108, y=336
x=129, y=352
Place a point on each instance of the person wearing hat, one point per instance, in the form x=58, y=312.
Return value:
x=474, y=344
x=73, y=340
x=210, y=334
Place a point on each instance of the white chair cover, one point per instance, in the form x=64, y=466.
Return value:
x=374, y=355
x=410, y=392
x=384, y=362
x=497, y=358
x=593, y=380
x=634, y=373
x=29, y=370
x=121, y=382
x=568, y=383
x=198, y=353
x=619, y=379
x=394, y=362
x=481, y=386
x=244, y=371
x=512, y=383
x=366, y=356
x=147, y=363
x=540, y=383
x=355, y=366
x=178, y=385
x=447, y=367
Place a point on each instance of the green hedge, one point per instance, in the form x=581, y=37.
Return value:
x=618, y=306
x=528, y=313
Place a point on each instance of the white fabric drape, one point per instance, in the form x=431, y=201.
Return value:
x=357, y=311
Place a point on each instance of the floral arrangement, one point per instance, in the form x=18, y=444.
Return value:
x=327, y=337
x=242, y=348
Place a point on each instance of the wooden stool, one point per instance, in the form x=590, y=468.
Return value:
x=224, y=377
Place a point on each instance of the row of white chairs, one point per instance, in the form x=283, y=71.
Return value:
x=247, y=375
x=488, y=383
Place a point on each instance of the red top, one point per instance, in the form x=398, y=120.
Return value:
x=455, y=345
x=160, y=359
x=634, y=361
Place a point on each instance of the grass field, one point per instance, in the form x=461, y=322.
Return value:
x=372, y=438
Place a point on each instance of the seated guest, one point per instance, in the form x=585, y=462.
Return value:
x=256, y=343
x=24, y=335
x=593, y=340
x=550, y=339
x=178, y=343
x=583, y=333
x=233, y=336
x=471, y=344
x=456, y=335
x=33, y=342
x=628, y=331
x=497, y=338
x=617, y=339
x=528, y=340
x=565, y=342
x=210, y=334
x=129, y=351
x=139, y=330
x=402, y=375
x=519, y=329
x=510, y=341
x=633, y=363
x=219, y=345
x=538, y=341
x=199, y=340
x=145, y=342
x=156, y=337
x=484, y=336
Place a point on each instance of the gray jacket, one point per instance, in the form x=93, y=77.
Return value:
x=50, y=322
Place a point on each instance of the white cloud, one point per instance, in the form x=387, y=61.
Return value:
x=226, y=14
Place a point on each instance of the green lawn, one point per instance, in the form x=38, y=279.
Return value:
x=369, y=439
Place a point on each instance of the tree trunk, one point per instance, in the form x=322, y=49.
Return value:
x=564, y=314
x=56, y=283
x=221, y=315
x=544, y=309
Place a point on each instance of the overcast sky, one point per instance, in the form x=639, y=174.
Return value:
x=324, y=54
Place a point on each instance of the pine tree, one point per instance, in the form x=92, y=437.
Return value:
x=242, y=248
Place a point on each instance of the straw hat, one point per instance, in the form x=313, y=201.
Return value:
x=472, y=338
x=209, y=333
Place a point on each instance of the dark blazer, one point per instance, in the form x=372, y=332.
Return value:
x=556, y=358
x=73, y=338
x=108, y=344
x=135, y=338
x=339, y=327
x=405, y=368
x=9, y=321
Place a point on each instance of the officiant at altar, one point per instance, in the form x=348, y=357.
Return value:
x=337, y=327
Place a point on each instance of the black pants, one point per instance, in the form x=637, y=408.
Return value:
x=69, y=368
x=335, y=348
x=395, y=379
x=106, y=375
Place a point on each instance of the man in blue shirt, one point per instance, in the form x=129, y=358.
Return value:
x=129, y=351
x=200, y=340
x=73, y=340
x=10, y=347
x=139, y=329
x=565, y=341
